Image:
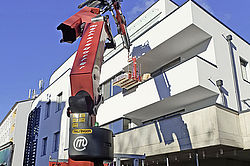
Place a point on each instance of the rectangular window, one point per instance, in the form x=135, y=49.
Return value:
x=44, y=146
x=55, y=147
x=116, y=89
x=126, y=124
x=244, y=69
x=106, y=90
x=59, y=101
x=119, y=125
x=47, y=110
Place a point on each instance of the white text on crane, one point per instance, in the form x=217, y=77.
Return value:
x=87, y=46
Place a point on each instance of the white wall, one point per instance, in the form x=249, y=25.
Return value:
x=218, y=32
x=5, y=129
x=214, y=50
x=22, y=114
x=58, y=121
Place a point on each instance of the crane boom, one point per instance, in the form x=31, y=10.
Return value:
x=88, y=143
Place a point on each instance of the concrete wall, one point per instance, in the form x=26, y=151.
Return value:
x=179, y=133
x=245, y=129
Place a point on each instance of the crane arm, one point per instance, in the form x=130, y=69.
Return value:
x=87, y=142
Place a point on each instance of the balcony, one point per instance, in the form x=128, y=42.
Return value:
x=171, y=49
x=165, y=41
x=166, y=93
x=205, y=128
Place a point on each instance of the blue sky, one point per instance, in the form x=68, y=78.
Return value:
x=29, y=42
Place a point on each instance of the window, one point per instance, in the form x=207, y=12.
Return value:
x=119, y=125
x=106, y=90
x=47, y=110
x=244, y=69
x=44, y=146
x=55, y=147
x=59, y=101
x=116, y=90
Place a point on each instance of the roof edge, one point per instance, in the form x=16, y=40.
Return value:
x=197, y=4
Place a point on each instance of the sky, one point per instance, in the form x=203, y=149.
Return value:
x=29, y=42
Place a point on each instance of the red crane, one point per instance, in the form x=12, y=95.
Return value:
x=89, y=144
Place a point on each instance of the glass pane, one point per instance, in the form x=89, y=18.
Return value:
x=44, y=146
x=47, y=110
x=59, y=102
x=116, y=126
x=106, y=90
x=56, y=142
x=126, y=123
x=116, y=90
x=244, y=66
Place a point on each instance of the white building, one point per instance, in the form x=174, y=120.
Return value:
x=195, y=105
x=13, y=129
x=183, y=110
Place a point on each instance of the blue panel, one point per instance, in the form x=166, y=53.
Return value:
x=162, y=88
x=175, y=125
x=116, y=90
x=110, y=88
x=116, y=126
x=140, y=50
x=48, y=127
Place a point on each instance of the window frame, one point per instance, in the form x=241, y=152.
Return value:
x=244, y=65
x=47, y=110
x=56, y=142
x=59, y=102
x=106, y=86
x=44, y=146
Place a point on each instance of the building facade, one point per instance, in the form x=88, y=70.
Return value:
x=13, y=132
x=194, y=108
x=49, y=121
x=196, y=105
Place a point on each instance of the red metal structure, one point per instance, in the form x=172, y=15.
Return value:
x=89, y=145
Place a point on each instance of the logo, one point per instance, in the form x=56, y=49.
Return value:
x=80, y=143
x=82, y=131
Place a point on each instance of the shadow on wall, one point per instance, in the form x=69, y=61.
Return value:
x=223, y=93
x=140, y=50
x=162, y=85
x=174, y=125
x=224, y=96
x=233, y=48
x=44, y=121
x=137, y=52
x=161, y=81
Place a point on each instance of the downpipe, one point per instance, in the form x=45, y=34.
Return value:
x=229, y=39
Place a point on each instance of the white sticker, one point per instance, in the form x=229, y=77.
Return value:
x=80, y=143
